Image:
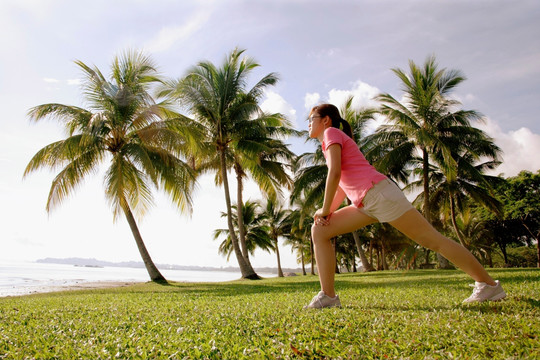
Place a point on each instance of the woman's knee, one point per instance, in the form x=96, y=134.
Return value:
x=318, y=234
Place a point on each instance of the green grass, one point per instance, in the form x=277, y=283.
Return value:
x=394, y=315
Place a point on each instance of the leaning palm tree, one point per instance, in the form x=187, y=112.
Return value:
x=219, y=100
x=124, y=125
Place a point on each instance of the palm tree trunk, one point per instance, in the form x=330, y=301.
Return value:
x=280, y=271
x=302, y=260
x=489, y=258
x=383, y=255
x=245, y=268
x=425, y=174
x=240, y=213
x=371, y=252
x=454, y=223
x=366, y=266
x=153, y=271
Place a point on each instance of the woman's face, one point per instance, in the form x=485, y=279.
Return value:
x=316, y=125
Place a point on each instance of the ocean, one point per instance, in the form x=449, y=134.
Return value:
x=21, y=278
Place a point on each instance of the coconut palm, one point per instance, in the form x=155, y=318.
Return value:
x=124, y=126
x=255, y=228
x=277, y=221
x=299, y=237
x=311, y=168
x=469, y=186
x=425, y=128
x=218, y=99
x=358, y=118
x=258, y=152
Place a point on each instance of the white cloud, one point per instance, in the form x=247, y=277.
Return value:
x=169, y=36
x=520, y=148
x=274, y=103
x=311, y=99
x=51, y=80
x=362, y=92
x=74, y=81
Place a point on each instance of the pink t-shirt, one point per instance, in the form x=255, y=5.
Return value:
x=357, y=175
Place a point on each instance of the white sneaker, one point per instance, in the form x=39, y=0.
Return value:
x=321, y=300
x=484, y=292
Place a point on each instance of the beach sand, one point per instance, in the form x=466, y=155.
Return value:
x=68, y=286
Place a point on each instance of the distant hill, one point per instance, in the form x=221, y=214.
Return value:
x=139, y=264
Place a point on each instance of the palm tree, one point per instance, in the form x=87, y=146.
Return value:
x=126, y=126
x=255, y=228
x=469, y=186
x=311, y=168
x=277, y=221
x=299, y=237
x=425, y=128
x=358, y=118
x=257, y=151
x=424, y=122
x=219, y=100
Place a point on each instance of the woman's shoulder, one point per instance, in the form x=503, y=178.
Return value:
x=332, y=132
x=333, y=136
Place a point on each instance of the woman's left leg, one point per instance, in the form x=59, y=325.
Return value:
x=343, y=221
x=417, y=228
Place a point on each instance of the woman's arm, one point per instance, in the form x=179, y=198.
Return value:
x=338, y=199
x=333, y=161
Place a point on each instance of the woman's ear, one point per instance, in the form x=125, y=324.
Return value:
x=327, y=122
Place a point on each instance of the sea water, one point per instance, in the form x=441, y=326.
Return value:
x=20, y=278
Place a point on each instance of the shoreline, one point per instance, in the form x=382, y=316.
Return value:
x=74, y=286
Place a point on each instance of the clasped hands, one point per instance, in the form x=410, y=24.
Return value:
x=321, y=217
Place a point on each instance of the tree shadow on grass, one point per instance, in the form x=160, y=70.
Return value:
x=449, y=280
x=309, y=284
x=532, y=302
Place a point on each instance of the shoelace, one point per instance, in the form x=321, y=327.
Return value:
x=476, y=290
x=318, y=298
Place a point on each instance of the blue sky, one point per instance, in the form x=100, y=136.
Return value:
x=322, y=50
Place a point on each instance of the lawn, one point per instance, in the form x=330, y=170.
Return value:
x=385, y=315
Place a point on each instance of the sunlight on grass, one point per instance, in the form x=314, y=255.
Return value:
x=414, y=315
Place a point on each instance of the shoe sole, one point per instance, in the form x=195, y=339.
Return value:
x=497, y=297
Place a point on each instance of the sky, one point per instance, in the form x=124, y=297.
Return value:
x=323, y=51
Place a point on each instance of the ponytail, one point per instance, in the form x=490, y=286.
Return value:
x=346, y=127
x=333, y=113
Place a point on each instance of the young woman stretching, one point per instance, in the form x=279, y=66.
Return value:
x=374, y=198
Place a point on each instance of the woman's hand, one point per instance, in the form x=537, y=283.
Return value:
x=321, y=217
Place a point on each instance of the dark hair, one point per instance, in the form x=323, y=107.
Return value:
x=333, y=113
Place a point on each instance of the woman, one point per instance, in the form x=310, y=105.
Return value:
x=374, y=198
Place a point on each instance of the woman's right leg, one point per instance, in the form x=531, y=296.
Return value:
x=343, y=221
x=417, y=228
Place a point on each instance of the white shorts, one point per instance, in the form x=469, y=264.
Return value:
x=385, y=202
